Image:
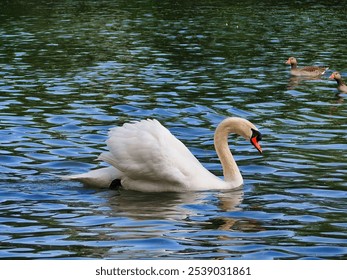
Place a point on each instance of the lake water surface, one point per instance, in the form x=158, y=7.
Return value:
x=70, y=70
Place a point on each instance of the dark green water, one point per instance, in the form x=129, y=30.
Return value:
x=70, y=70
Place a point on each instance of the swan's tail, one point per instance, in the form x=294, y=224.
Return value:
x=100, y=178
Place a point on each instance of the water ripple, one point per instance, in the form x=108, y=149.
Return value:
x=66, y=79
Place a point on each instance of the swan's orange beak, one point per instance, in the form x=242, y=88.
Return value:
x=332, y=76
x=287, y=62
x=256, y=144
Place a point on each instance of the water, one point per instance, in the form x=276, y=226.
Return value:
x=70, y=70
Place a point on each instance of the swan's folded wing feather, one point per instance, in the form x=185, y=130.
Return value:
x=146, y=150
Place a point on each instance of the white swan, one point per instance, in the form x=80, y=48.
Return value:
x=145, y=156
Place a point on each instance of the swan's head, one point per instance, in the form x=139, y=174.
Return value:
x=243, y=128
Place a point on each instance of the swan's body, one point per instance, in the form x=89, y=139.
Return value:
x=145, y=156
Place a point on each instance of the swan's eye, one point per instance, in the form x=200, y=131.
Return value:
x=259, y=136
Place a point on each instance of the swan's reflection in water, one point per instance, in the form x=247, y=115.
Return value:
x=141, y=206
x=158, y=223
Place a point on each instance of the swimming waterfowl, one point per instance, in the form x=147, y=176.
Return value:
x=341, y=85
x=145, y=156
x=308, y=71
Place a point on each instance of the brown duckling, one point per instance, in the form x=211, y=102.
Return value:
x=308, y=71
x=341, y=85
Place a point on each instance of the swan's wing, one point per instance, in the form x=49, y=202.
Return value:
x=147, y=151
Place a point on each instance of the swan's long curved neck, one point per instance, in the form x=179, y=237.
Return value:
x=231, y=171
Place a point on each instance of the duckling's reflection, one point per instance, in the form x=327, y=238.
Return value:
x=339, y=99
x=294, y=81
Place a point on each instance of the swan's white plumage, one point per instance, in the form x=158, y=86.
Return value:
x=145, y=156
x=152, y=159
x=101, y=178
